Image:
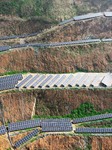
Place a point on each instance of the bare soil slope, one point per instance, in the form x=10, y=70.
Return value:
x=18, y=105
x=96, y=57
x=11, y=25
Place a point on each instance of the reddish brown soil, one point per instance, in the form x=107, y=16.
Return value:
x=4, y=143
x=10, y=25
x=67, y=142
x=96, y=58
x=97, y=28
x=19, y=105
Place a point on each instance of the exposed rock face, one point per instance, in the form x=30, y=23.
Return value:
x=19, y=105
x=96, y=58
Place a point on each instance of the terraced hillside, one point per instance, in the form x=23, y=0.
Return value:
x=93, y=57
x=34, y=95
x=10, y=25
x=98, y=27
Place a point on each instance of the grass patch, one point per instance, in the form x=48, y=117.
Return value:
x=84, y=110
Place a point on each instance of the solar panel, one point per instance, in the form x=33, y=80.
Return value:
x=64, y=120
x=56, y=125
x=75, y=80
x=65, y=83
x=63, y=77
x=56, y=129
x=19, y=46
x=91, y=77
x=31, y=81
x=35, y=84
x=97, y=80
x=2, y=130
x=107, y=80
x=4, y=48
x=45, y=81
x=24, y=81
x=53, y=80
x=9, y=82
x=25, y=139
x=108, y=14
x=106, y=40
x=65, y=22
x=88, y=16
x=24, y=125
x=82, y=80
x=92, y=118
x=93, y=130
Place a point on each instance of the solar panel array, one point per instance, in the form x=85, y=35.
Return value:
x=108, y=14
x=2, y=130
x=86, y=17
x=24, y=125
x=79, y=42
x=25, y=139
x=56, y=125
x=93, y=130
x=92, y=118
x=76, y=18
x=107, y=81
x=18, y=36
x=4, y=48
x=9, y=82
x=81, y=80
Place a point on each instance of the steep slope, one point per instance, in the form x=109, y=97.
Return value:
x=18, y=105
x=10, y=25
x=76, y=30
x=56, y=9
x=71, y=143
x=94, y=57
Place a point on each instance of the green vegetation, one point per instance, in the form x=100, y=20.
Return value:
x=25, y=8
x=85, y=109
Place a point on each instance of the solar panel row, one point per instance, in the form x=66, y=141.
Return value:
x=24, y=81
x=4, y=48
x=76, y=18
x=56, y=125
x=57, y=129
x=93, y=130
x=86, y=17
x=25, y=139
x=66, y=80
x=80, y=42
x=92, y=118
x=24, y=125
x=11, y=77
x=18, y=36
x=9, y=82
x=2, y=130
x=62, y=120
